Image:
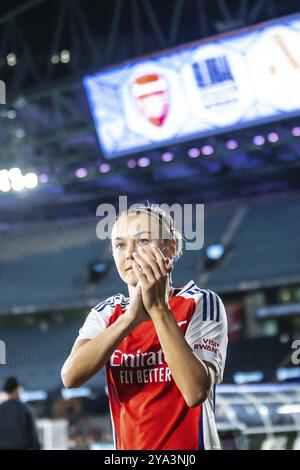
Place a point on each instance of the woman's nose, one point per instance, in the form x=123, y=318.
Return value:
x=130, y=250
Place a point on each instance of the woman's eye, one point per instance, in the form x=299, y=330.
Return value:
x=120, y=245
x=144, y=241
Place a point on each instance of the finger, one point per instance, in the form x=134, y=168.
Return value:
x=152, y=261
x=167, y=263
x=138, y=286
x=138, y=290
x=142, y=279
x=145, y=267
x=159, y=254
x=159, y=259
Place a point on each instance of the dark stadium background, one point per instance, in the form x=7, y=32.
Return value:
x=49, y=252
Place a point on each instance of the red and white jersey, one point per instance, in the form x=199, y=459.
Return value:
x=147, y=408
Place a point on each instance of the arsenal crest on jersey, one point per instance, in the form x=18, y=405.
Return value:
x=152, y=97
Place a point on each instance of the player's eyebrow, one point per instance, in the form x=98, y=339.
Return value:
x=138, y=234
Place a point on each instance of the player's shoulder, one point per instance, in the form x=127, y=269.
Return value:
x=110, y=303
x=192, y=290
x=207, y=302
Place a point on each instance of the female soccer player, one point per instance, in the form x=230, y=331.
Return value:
x=164, y=348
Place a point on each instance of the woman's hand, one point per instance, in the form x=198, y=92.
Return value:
x=152, y=270
x=136, y=312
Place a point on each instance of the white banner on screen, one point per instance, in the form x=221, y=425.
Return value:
x=199, y=90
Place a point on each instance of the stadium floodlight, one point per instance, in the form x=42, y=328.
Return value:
x=43, y=178
x=17, y=184
x=104, y=168
x=11, y=59
x=207, y=150
x=20, y=102
x=5, y=184
x=273, y=137
x=285, y=373
x=258, y=140
x=232, y=144
x=214, y=253
x=16, y=179
x=296, y=131
x=20, y=133
x=81, y=172
x=30, y=180
x=248, y=377
x=11, y=114
x=68, y=393
x=55, y=59
x=14, y=173
x=96, y=270
x=167, y=156
x=143, y=162
x=65, y=56
x=34, y=395
x=131, y=163
x=193, y=152
x=5, y=188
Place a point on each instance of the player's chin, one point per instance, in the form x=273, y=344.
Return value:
x=130, y=275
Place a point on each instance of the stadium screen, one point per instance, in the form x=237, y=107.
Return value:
x=198, y=90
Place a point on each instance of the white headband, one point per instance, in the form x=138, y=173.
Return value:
x=148, y=210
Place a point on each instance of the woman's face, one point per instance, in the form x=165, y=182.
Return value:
x=129, y=234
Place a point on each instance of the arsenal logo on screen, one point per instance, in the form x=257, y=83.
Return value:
x=152, y=97
x=153, y=103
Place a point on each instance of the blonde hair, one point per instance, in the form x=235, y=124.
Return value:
x=164, y=218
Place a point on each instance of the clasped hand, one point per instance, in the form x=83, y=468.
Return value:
x=152, y=268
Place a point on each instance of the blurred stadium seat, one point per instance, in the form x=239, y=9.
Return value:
x=39, y=368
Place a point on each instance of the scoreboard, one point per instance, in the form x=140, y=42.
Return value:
x=203, y=88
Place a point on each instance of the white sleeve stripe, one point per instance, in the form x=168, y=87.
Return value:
x=193, y=326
